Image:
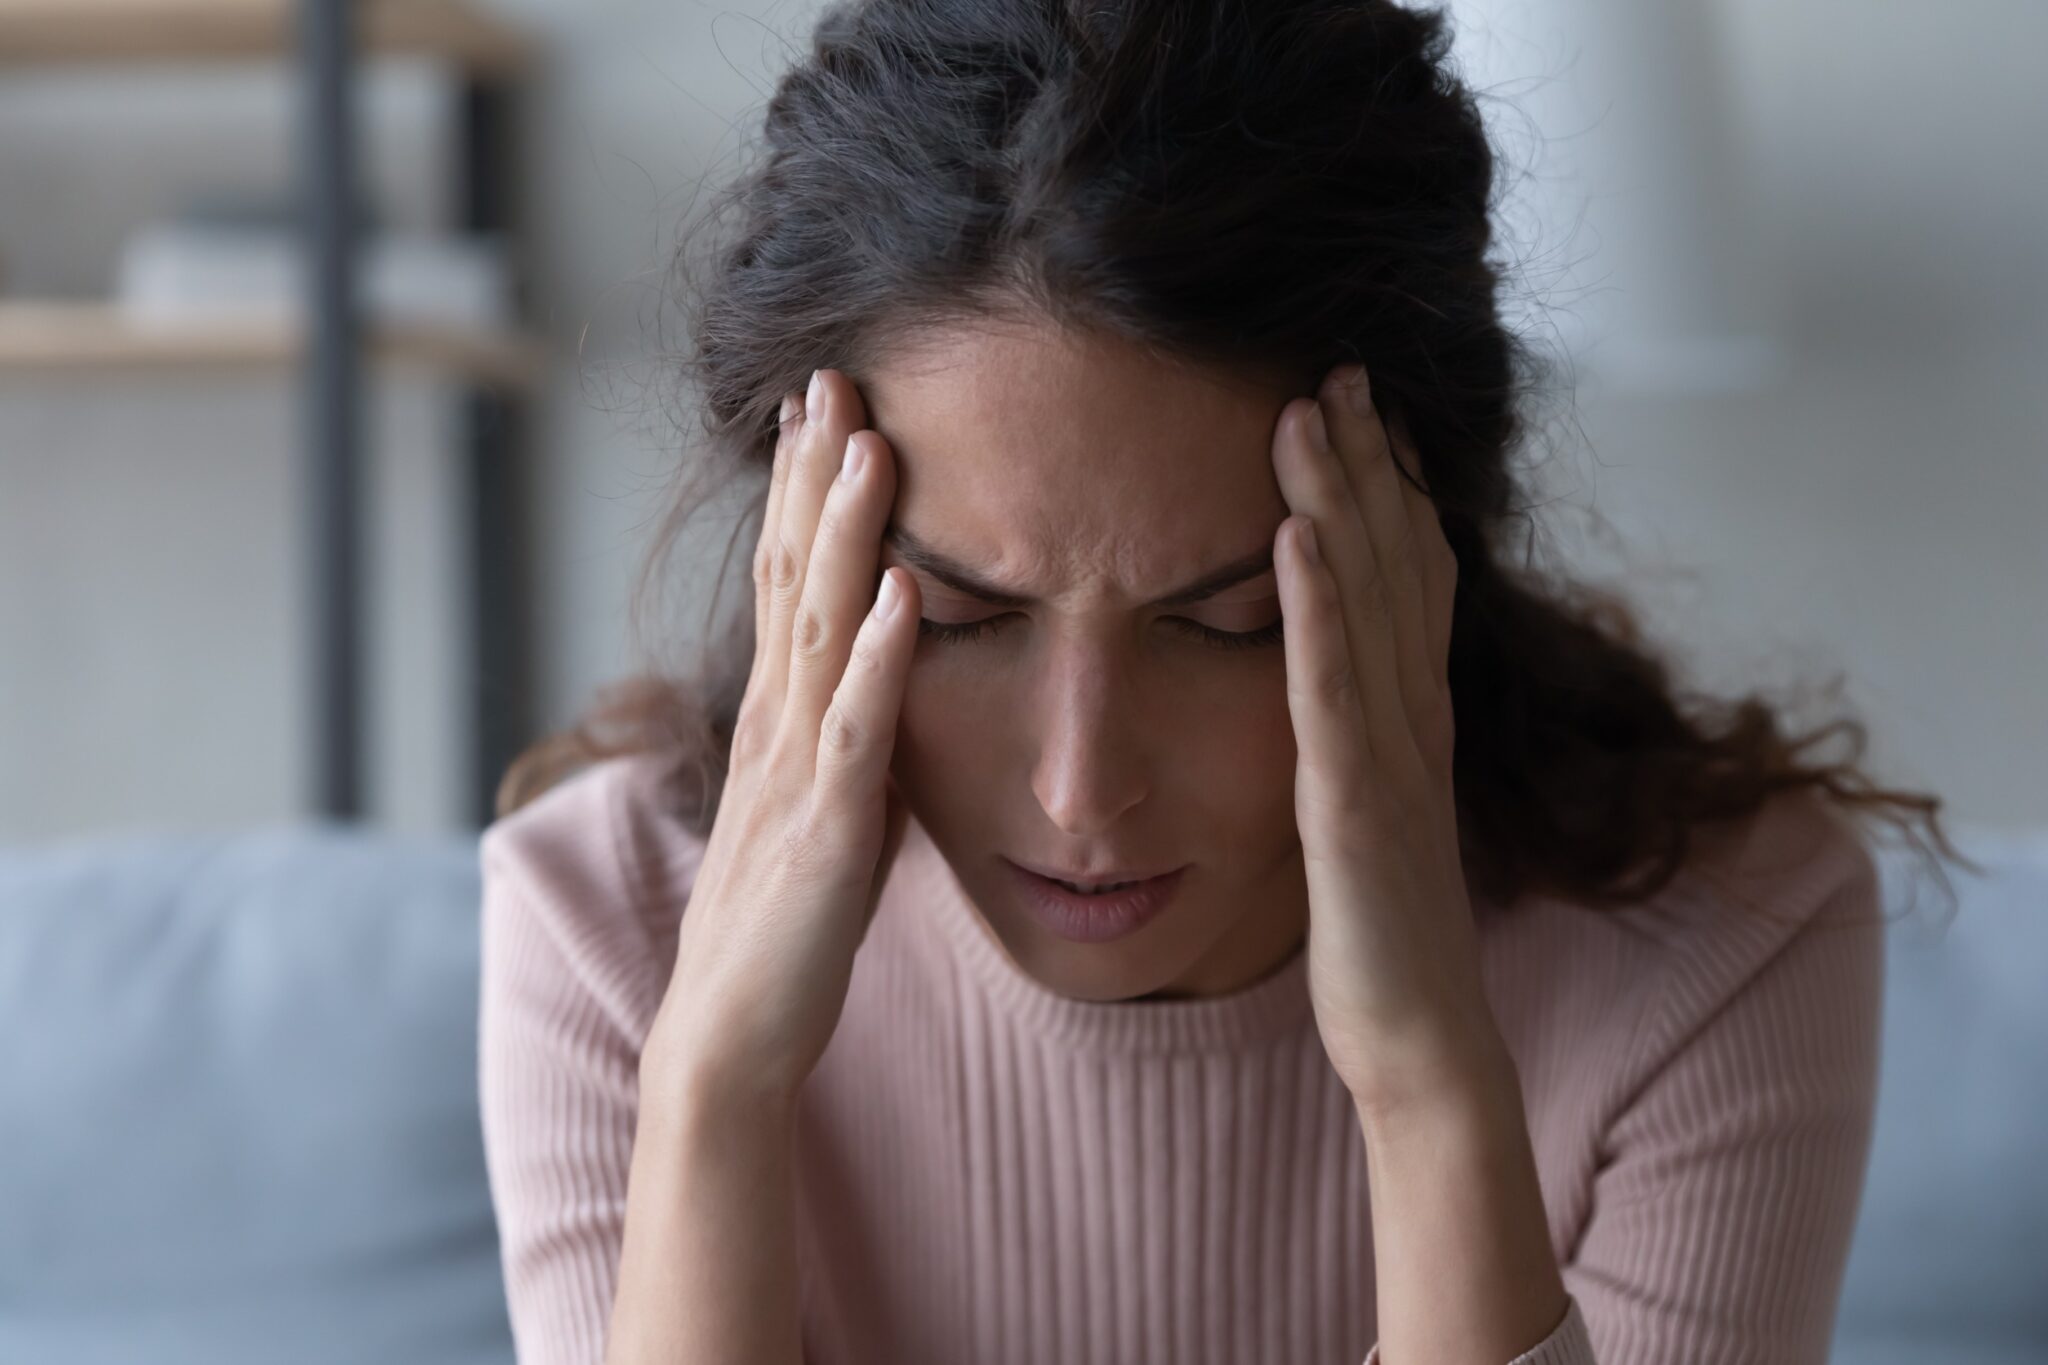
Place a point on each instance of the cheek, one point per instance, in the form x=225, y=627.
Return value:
x=1240, y=745
x=943, y=701
x=945, y=747
x=1248, y=743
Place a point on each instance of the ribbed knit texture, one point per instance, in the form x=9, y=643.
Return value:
x=991, y=1173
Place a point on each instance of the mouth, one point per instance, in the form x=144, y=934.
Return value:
x=1109, y=879
x=1096, y=889
x=1094, y=911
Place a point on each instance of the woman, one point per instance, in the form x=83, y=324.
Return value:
x=1159, y=351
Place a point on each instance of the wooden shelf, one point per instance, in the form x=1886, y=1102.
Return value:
x=85, y=336
x=66, y=31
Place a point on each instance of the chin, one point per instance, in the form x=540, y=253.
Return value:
x=1108, y=973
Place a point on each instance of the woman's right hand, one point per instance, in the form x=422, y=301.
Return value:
x=810, y=820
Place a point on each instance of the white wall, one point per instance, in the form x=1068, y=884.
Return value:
x=1808, y=234
x=151, y=599
x=1816, y=438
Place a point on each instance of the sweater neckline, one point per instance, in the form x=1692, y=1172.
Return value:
x=1273, y=1007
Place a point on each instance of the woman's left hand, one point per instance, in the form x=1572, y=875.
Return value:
x=1393, y=954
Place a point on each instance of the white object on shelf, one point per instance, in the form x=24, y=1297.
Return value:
x=176, y=273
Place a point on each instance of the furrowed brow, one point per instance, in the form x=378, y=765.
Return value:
x=962, y=578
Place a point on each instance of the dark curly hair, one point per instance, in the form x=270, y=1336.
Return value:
x=1273, y=187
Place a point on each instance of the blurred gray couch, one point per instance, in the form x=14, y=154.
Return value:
x=238, y=1115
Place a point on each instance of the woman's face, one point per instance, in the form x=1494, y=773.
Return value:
x=1089, y=724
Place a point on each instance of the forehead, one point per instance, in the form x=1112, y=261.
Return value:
x=1060, y=461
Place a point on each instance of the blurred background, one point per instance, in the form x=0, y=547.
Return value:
x=1792, y=252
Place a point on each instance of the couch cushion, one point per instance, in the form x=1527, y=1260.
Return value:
x=238, y=1115
x=238, y=1109
x=1950, y=1260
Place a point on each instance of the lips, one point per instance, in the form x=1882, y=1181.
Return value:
x=1096, y=889
x=1107, y=878
x=1098, y=917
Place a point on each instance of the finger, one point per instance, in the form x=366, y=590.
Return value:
x=840, y=583
x=1322, y=681
x=760, y=712
x=1313, y=481
x=1367, y=456
x=832, y=413
x=857, y=736
x=789, y=431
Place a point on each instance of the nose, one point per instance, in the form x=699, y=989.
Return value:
x=1091, y=759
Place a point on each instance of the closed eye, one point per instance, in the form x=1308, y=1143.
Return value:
x=964, y=632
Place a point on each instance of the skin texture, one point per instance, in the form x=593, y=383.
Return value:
x=1088, y=730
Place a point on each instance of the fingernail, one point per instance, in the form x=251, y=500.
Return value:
x=849, y=466
x=790, y=407
x=885, y=600
x=1358, y=390
x=1306, y=533
x=1318, y=429
x=814, y=397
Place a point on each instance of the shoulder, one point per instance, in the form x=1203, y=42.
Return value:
x=1780, y=911
x=1773, y=946
x=591, y=877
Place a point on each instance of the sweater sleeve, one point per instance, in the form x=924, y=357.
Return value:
x=558, y=1077
x=1567, y=1343
x=1729, y=1183
x=1723, y=1213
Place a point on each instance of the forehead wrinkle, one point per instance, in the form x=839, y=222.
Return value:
x=1076, y=400
x=1104, y=525
x=978, y=579
x=1027, y=455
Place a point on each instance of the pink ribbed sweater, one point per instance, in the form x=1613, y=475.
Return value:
x=989, y=1172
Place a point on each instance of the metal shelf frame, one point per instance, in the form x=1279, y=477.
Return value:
x=492, y=429
x=326, y=39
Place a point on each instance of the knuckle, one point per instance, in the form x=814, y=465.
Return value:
x=1332, y=801
x=764, y=557
x=784, y=571
x=1371, y=599
x=842, y=734
x=1338, y=685
x=867, y=653
x=809, y=633
x=750, y=731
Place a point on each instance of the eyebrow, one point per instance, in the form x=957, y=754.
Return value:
x=964, y=579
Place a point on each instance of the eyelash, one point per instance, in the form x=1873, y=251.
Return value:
x=964, y=632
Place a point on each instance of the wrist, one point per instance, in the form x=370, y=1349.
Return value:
x=1449, y=1071
x=681, y=1087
